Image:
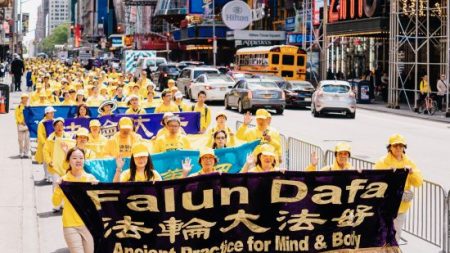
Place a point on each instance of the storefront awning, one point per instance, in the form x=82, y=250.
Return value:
x=370, y=27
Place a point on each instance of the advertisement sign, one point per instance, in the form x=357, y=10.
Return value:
x=253, y=43
x=237, y=15
x=290, y=24
x=298, y=38
x=117, y=41
x=340, y=10
x=317, y=5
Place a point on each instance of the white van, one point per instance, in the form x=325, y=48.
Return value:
x=153, y=63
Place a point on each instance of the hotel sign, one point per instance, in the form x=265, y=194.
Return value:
x=341, y=10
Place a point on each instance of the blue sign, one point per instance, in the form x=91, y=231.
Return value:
x=117, y=41
x=290, y=24
x=297, y=38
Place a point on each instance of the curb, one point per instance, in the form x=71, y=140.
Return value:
x=30, y=229
x=397, y=112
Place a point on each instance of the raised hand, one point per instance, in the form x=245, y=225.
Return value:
x=187, y=166
x=120, y=162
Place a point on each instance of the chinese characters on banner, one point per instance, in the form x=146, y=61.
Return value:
x=254, y=212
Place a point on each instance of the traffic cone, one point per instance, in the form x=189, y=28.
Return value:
x=2, y=105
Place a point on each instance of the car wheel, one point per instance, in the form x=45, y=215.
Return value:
x=240, y=107
x=227, y=106
x=280, y=111
x=314, y=112
x=351, y=115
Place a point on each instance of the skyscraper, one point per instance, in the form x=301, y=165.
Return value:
x=58, y=13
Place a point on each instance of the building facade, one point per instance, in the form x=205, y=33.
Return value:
x=58, y=13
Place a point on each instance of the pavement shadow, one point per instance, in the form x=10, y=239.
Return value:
x=64, y=250
x=16, y=157
x=42, y=182
x=48, y=214
x=295, y=108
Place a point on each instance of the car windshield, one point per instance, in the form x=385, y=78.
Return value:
x=171, y=69
x=273, y=78
x=219, y=78
x=160, y=61
x=301, y=85
x=335, y=88
x=200, y=72
x=258, y=85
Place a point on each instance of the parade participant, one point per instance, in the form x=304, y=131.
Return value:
x=170, y=84
x=143, y=93
x=41, y=138
x=95, y=99
x=149, y=102
x=207, y=161
x=173, y=140
x=165, y=129
x=133, y=104
x=35, y=95
x=221, y=121
x=104, y=91
x=82, y=111
x=81, y=140
x=67, y=99
x=96, y=140
x=266, y=160
x=80, y=97
x=58, y=125
x=141, y=166
x=76, y=234
x=23, y=133
x=220, y=139
x=173, y=90
x=42, y=99
x=396, y=158
x=260, y=132
x=342, y=153
x=121, y=142
x=107, y=108
x=51, y=98
x=119, y=97
x=182, y=106
x=73, y=94
x=167, y=104
x=205, y=113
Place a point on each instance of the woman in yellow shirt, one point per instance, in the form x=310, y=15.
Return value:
x=141, y=166
x=207, y=161
x=221, y=121
x=96, y=141
x=341, y=162
x=76, y=234
x=266, y=160
x=107, y=108
x=396, y=158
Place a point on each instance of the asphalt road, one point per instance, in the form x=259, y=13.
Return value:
x=428, y=142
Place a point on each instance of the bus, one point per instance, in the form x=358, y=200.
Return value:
x=282, y=60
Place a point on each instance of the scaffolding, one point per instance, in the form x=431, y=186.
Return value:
x=418, y=47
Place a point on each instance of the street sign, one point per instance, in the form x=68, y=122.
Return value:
x=237, y=15
x=140, y=2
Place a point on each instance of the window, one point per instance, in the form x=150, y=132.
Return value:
x=201, y=79
x=300, y=61
x=288, y=60
x=275, y=59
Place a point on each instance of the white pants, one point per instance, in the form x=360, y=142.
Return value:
x=46, y=173
x=78, y=239
x=398, y=224
x=24, y=142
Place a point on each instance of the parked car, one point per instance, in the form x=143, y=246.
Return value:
x=183, y=64
x=334, y=96
x=215, y=86
x=189, y=74
x=298, y=93
x=251, y=94
x=164, y=73
x=223, y=69
x=280, y=81
x=239, y=75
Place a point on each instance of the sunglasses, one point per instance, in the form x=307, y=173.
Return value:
x=221, y=138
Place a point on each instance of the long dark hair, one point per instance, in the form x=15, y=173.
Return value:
x=148, y=170
x=69, y=154
x=215, y=135
x=259, y=163
x=88, y=114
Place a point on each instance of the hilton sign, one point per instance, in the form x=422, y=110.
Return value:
x=340, y=10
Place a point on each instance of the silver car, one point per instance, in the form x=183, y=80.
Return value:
x=334, y=96
x=253, y=93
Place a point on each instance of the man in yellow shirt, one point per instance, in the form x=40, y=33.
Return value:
x=23, y=133
x=67, y=99
x=167, y=104
x=133, y=104
x=182, y=106
x=173, y=140
x=120, y=144
x=205, y=113
x=262, y=131
x=96, y=141
x=396, y=158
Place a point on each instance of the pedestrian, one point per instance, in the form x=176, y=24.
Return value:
x=424, y=91
x=396, y=158
x=76, y=234
x=384, y=86
x=342, y=153
x=28, y=78
x=17, y=70
x=141, y=166
x=442, y=89
x=22, y=129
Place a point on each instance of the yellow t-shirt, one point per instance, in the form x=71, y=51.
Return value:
x=140, y=177
x=97, y=144
x=258, y=169
x=138, y=111
x=70, y=217
x=117, y=145
x=162, y=108
x=20, y=119
x=165, y=143
x=205, y=116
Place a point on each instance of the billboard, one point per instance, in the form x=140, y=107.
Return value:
x=341, y=10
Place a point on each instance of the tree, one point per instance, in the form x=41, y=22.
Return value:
x=59, y=36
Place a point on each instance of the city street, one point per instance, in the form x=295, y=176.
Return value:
x=26, y=210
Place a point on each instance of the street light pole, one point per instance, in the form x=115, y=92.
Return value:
x=214, y=33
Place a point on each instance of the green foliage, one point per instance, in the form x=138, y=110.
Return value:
x=59, y=36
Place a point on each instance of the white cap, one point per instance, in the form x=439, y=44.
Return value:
x=80, y=93
x=178, y=94
x=49, y=109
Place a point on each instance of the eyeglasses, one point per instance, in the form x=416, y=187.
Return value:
x=221, y=138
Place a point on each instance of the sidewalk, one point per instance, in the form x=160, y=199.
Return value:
x=403, y=111
x=18, y=220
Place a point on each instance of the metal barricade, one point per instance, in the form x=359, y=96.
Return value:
x=356, y=162
x=427, y=217
x=300, y=154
